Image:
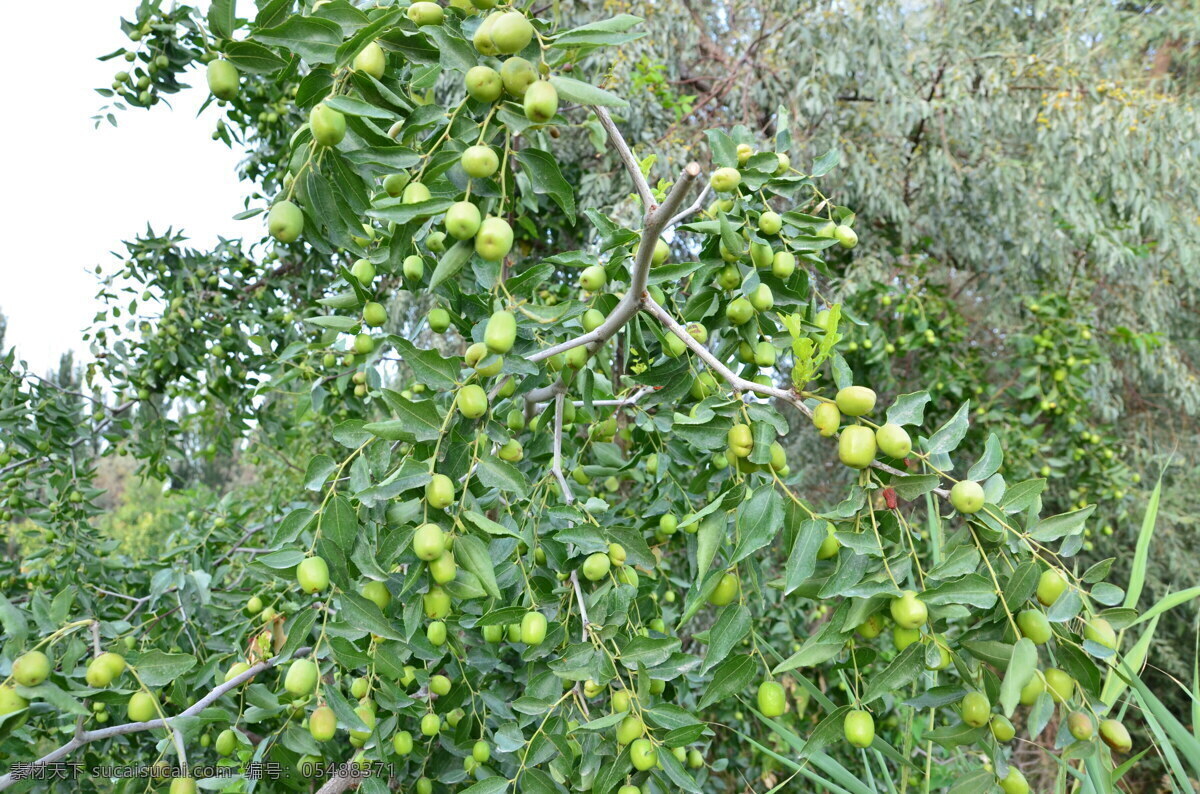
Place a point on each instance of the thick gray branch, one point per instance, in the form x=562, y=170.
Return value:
x=631, y=164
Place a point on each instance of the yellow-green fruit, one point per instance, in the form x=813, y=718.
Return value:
x=1034, y=625
x=725, y=180
x=975, y=708
x=967, y=496
x=761, y=255
x=739, y=311
x=501, y=332
x=516, y=75
x=511, y=451
x=312, y=574
x=1080, y=725
x=725, y=591
x=629, y=729
x=374, y=314
x=425, y=13
x=533, y=628
x=439, y=685
x=855, y=400
x=443, y=569
x=142, y=707
x=479, y=161
x=31, y=668
x=593, y=278
x=226, y=742
x=770, y=223
x=871, y=628
x=661, y=252
x=435, y=632
x=235, y=670
x=827, y=419
x=482, y=38
x=764, y=354
x=903, y=637
x=183, y=785
x=772, y=701
x=1031, y=691
x=846, y=237
x=364, y=271
x=481, y=751
x=909, y=611
x=829, y=544
x=1051, y=585
x=859, y=728
x=541, y=102
x=1115, y=735
x=462, y=220
x=402, y=743
x=762, y=298
x=372, y=60
x=415, y=193
x=436, y=603
x=616, y=554
x=1002, y=728
x=592, y=319
x=367, y=715
x=378, y=593
x=472, y=401
x=363, y=344
x=1101, y=632
x=429, y=542
x=1060, y=685
x=643, y=755
x=1014, y=782
x=596, y=566
x=511, y=33
x=729, y=277
x=783, y=264
x=222, y=79
x=322, y=723
x=301, y=678
x=328, y=125
x=893, y=441
x=856, y=447
x=620, y=701
x=285, y=221
x=439, y=492
x=439, y=319
x=740, y=439
x=484, y=83
x=359, y=688
x=494, y=239
x=10, y=701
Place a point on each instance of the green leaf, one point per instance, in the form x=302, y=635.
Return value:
x=1061, y=525
x=950, y=435
x=759, y=520
x=499, y=474
x=490, y=785
x=157, y=668
x=428, y=366
x=608, y=32
x=826, y=163
x=731, y=677
x=319, y=469
x=451, y=262
x=298, y=629
x=913, y=486
x=364, y=614
x=972, y=590
x=222, y=17
x=583, y=93
x=254, y=58
x=724, y=150
x=485, y=524
x=1022, y=666
x=989, y=464
x=356, y=107
x=339, y=523
x=648, y=651
x=1141, y=554
x=472, y=554
x=314, y=39
x=281, y=560
x=546, y=178
x=802, y=560
x=903, y=670
x=415, y=420
x=732, y=625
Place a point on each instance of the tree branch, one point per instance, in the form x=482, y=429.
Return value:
x=631, y=164
x=87, y=737
x=556, y=466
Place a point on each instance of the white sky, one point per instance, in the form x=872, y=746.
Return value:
x=72, y=193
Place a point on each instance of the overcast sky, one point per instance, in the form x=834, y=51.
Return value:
x=71, y=192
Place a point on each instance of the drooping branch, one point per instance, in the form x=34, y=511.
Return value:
x=556, y=466
x=87, y=737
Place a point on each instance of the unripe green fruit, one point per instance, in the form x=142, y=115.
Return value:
x=31, y=668
x=725, y=591
x=425, y=13
x=359, y=688
x=1031, y=691
x=762, y=298
x=629, y=789
x=481, y=752
x=363, y=344
x=893, y=441
x=729, y=277
x=484, y=84
x=312, y=574
x=1002, y=728
x=541, y=102
x=511, y=451
x=855, y=400
x=1116, y=736
x=827, y=419
x=472, y=401
x=374, y=314
x=439, y=319
x=328, y=125
x=430, y=725
x=856, y=447
x=463, y=220
x=493, y=634
x=371, y=60
x=511, y=33
x=479, y=162
x=444, y=568
x=429, y=542
x=783, y=264
x=183, y=785
x=662, y=252
x=593, y=278
x=378, y=593
x=285, y=221
x=764, y=354
x=501, y=332
x=1101, y=632
x=829, y=545
x=1080, y=725
x=1051, y=585
x=643, y=755
x=494, y=239
x=435, y=632
x=254, y=605
x=1014, y=782
x=871, y=628
x=975, y=708
x=859, y=728
x=739, y=311
x=533, y=628
x=439, y=685
x=516, y=75
x=226, y=742
x=142, y=707
x=761, y=255
x=845, y=236
x=236, y=669
x=967, y=496
x=630, y=729
x=322, y=723
x=741, y=440
x=415, y=193
x=902, y=637
x=1060, y=685
x=402, y=743
x=908, y=611
x=592, y=319
x=364, y=271
x=424, y=785
x=772, y=701
x=301, y=678
x=725, y=180
x=770, y=223
x=222, y=79
x=596, y=567
x=1034, y=625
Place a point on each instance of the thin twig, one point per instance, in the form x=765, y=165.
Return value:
x=631, y=164
x=556, y=466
